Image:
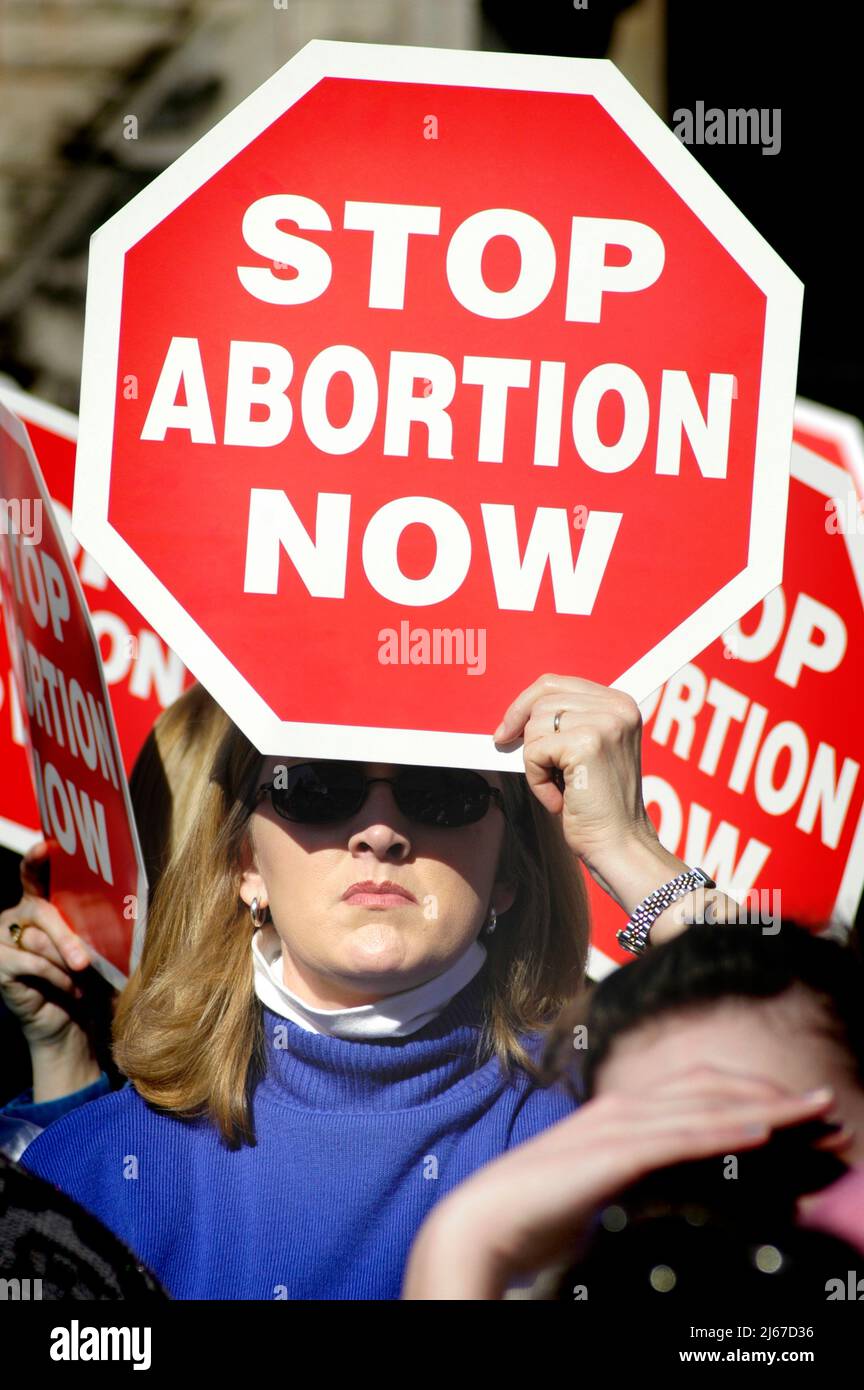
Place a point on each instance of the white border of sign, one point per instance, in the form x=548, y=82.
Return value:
x=39, y=412
x=831, y=481
x=324, y=58
x=19, y=838
x=845, y=430
x=18, y=431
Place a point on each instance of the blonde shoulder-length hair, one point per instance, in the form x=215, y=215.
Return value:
x=170, y=771
x=188, y=1029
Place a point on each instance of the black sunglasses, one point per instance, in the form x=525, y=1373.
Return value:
x=322, y=792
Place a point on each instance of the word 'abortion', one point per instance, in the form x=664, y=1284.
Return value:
x=262, y=397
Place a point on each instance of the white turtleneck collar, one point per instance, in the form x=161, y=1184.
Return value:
x=395, y=1016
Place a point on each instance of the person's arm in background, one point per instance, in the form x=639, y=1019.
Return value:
x=65, y=1075
x=22, y=1119
x=61, y=1081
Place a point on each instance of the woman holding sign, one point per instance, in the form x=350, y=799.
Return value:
x=343, y=995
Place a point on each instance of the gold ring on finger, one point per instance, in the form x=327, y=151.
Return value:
x=15, y=933
x=556, y=723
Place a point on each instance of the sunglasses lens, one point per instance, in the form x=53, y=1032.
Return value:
x=319, y=792
x=316, y=793
x=442, y=796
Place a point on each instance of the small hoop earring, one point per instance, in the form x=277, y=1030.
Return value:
x=258, y=914
x=492, y=922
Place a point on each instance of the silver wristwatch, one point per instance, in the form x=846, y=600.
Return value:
x=634, y=937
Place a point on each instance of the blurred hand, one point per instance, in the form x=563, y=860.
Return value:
x=531, y=1206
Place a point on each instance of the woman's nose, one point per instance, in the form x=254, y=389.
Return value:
x=380, y=825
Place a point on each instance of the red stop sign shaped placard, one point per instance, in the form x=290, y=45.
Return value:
x=423, y=373
x=753, y=753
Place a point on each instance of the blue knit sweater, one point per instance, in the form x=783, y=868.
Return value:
x=356, y=1141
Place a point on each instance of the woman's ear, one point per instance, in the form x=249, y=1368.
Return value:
x=503, y=895
x=251, y=883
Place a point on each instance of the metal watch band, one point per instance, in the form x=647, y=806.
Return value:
x=634, y=937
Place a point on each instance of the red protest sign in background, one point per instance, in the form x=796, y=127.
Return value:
x=837, y=437
x=752, y=753
x=143, y=675
x=458, y=362
x=97, y=873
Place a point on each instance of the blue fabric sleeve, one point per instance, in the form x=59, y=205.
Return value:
x=45, y=1112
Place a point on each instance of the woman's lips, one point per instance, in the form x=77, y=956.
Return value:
x=377, y=899
x=378, y=895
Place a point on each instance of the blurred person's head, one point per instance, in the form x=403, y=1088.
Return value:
x=196, y=983
x=787, y=1006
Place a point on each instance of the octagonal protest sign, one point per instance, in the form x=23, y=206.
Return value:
x=753, y=753
x=425, y=372
x=142, y=674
